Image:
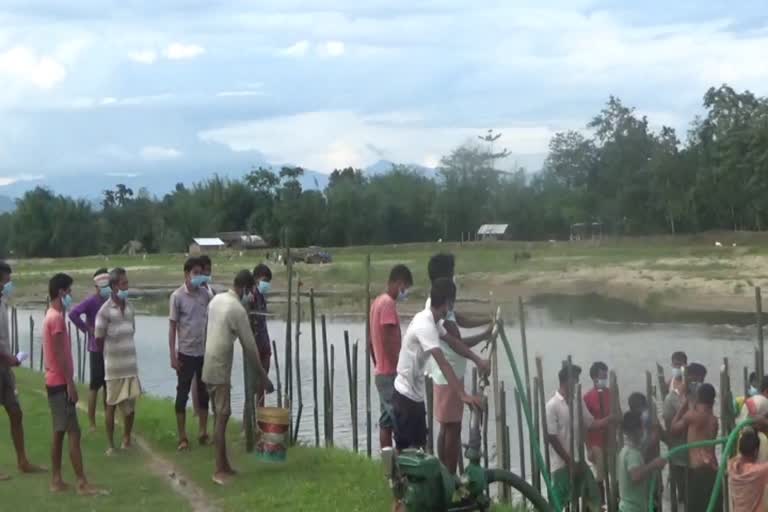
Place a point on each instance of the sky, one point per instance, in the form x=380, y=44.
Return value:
x=117, y=87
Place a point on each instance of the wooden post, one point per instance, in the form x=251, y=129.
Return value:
x=607, y=453
x=654, y=417
x=497, y=400
x=535, y=475
x=527, y=384
x=571, y=399
x=521, y=439
x=368, y=441
x=502, y=451
x=616, y=441
x=430, y=414
x=757, y=361
x=543, y=400
x=314, y=365
x=663, y=384
x=31, y=343
x=250, y=408
x=326, y=384
x=350, y=385
x=14, y=340
x=300, y=409
x=746, y=382
x=288, y=384
x=760, y=346
x=330, y=394
x=579, y=427
x=355, y=423
x=277, y=373
x=726, y=413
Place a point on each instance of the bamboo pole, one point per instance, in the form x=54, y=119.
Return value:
x=12, y=319
x=497, y=401
x=355, y=423
x=521, y=439
x=725, y=414
x=760, y=345
x=535, y=475
x=429, y=389
x=757, y=361
x=348, y=355
x=288, y=384
x=314, y=365
x=579, y=427
x=277, y=373
x=571, y=428
x=502, y=451
x=300, y=409
x=651, y=399
x=746, y=381
x=82, y=349
x=662, y=380
x=326, y=384
x=527, y=383
x=543, y=400
x=31, y=342
x=330, y=393
x=368, y=441
x=607, y=453
x=249, y=409
x=616, y=441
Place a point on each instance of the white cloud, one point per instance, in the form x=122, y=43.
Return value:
x=10, y=180
x=153, y=153
x=25, y=65
x=236, y=94
x=331, y=139
x=143, y=57
x=122, y=174
x=298, y=49
x=178, y=51
x=332, y=49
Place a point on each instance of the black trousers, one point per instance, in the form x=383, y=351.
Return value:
x=189, y=367
x=410, y=422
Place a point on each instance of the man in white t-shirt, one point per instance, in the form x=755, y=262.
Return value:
x=422, y=341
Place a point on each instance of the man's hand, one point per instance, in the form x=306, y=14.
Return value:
x=91, y=332
x=269, y=388
x=658, y=463
x=474, y=401
x=483, y=367
x=72, y=392
x=175, y=363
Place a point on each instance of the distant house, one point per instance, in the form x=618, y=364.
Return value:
x=493, y=232
x=242, y=240
x=203, y=245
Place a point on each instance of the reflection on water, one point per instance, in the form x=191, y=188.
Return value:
x=630, y=344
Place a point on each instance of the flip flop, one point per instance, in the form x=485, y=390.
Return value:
x=204, y=440
x=183, y=445
x=4, y=477
x=222, y=481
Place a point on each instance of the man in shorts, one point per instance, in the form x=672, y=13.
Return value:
x=228, y=321
x=448, y=408
x=420, y=343
x=385, y=344
x=8, y=395
x=115, y=328
x=90, y=308
x=61, y=387
x=187, y=318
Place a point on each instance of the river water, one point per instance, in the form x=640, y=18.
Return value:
x=587, y=328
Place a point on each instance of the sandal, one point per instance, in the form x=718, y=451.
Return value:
x=204, y=440
x=183, y=445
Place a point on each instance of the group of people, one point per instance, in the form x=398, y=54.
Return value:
x=203, y=327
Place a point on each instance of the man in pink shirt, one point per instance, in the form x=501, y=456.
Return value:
x=60, y=383
x=385, y=345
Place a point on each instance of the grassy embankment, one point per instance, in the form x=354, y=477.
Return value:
x=312, y=479
x=689, y=273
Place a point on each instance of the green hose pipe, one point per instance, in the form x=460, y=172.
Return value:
x=553, y=498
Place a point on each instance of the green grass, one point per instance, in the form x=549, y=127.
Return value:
x=312, y=479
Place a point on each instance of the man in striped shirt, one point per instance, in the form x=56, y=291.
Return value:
x=115, y=327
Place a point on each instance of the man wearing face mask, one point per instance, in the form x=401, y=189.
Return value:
x=598, y=402
x=386, y=343
x=8, y=397
x=228, y=321
x=90, y=308
x=187, y=322
x=257, y=311
x=115, y=329
x=672, y=402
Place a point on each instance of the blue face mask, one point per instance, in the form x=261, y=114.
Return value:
x=66, y=301
x=677, y=373
x=752, y=391
x=105, y=292
x=8, y=289
x=198, y=281
x=122, y=295
x=264, y=287
x=403, y=295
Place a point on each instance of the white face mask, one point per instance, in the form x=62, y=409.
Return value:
x=601, y=384
x=677, y=373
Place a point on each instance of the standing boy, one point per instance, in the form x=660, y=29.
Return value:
x=8, y=396
x=700, y=424
x=187, y=321
x=227, y=321
x=598, y=402
x=563, y=463
x=262, y=275
x=60, y=383
x=633, y=472
x=385, y=345
x=90, y=308
x=115, y=328
x=449, y=409
x=422, y=341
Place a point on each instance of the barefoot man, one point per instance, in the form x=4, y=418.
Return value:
x=115, y=327
x=8, y=398
x=60, y=384
x=227, y=321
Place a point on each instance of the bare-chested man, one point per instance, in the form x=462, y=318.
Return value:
x=699, y=423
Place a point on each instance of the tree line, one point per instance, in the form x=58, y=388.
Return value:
x=619, y=172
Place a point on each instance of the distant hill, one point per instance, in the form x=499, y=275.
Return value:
x=7, y=204
x=385, y=166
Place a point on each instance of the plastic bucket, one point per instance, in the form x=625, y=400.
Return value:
x=273, y=423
